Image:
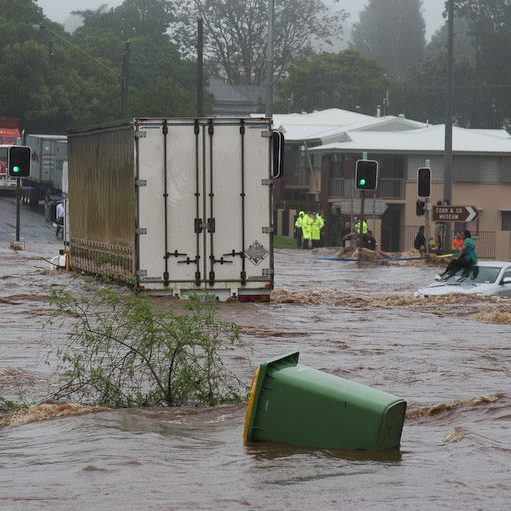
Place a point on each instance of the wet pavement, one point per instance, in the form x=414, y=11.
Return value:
x=449, y=357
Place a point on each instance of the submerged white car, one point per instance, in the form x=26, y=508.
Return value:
x=494, y=279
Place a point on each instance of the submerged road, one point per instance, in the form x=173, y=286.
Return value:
x=449, y=357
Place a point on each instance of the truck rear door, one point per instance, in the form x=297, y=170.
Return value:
x=204, y=205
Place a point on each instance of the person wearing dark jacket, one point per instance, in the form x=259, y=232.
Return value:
x=420, y=240
x=369, y=241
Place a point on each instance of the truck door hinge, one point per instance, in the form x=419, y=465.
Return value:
x=267, y=182
x=141, y=230
x=197, y=225
x=141, y=273
x=140, y=182
x=267, y=272
x=267, y=133
x=267, y=230
x=140, y=134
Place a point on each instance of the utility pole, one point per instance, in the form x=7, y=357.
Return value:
x=125, y=80
x=200, y=68
x=269, y=56
x=448, y=159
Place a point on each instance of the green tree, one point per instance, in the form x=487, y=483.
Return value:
x=122, y=351
x=154, y=58
x=51, y=86
x=133, y=18
x=490, y=26
x=482, y=81
x=392, y=32
x=342, y=80
x=422, y=96
x=464, y=47
x=16, y=20
x=236, y=33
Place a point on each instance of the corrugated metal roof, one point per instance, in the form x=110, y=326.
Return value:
x=332, y=125
x=329, y=117
x=426, y=140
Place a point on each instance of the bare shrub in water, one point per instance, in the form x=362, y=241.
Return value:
x=122, y=352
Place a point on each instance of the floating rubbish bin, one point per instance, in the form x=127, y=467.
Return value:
x=294, y=404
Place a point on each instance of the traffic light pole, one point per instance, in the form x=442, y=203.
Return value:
x=361, y=220
x=426, y=228
x=18, y=207
x=426, y=200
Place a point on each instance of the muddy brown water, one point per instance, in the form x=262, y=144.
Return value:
x=450, y=358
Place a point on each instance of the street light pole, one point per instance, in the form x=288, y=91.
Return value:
x=122, y=78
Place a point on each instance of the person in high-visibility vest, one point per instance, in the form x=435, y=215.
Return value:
x=307, y=231
x=316, y=224
x=298, y=228
x=357, y=226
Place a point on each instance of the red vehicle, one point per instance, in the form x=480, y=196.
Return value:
x=10, y=134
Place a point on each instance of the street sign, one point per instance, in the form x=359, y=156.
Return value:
x=454, y=213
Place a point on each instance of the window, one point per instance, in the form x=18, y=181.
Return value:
x=506, y=220
x=486, y=275
x=506, y=274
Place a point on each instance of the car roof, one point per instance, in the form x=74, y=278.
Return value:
x=493, y=263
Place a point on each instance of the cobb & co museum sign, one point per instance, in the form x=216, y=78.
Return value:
x=454, y=213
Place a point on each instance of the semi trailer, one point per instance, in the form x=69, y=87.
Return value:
x=175, y=206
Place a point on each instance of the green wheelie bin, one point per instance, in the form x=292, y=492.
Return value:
x=294, y=404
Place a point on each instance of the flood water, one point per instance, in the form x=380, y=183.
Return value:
x=449, y=358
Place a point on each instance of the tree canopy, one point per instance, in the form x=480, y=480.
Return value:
x=53, y=80
x=236, y=33
x=392, y=32
x=482, y=81
x=334, y=80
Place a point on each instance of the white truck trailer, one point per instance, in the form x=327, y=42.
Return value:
x=175, y=206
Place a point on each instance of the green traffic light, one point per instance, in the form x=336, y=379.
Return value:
x=362, y=182
x=16, y=169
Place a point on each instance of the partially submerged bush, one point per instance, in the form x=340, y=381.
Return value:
x=8, y=406
x=123, y=352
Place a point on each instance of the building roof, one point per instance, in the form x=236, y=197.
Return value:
x=328, y=117
x=331, y=125
x=427, y=140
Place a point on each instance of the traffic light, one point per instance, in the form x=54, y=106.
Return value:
x=424, y=182
x=18, y=162
x=366, y=175
x=420, y=207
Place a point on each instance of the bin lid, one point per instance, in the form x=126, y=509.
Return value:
x=291, y=359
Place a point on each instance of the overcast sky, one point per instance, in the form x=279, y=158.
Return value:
x=59, y=10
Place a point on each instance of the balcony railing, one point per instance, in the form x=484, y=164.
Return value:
x=388, y=188
x=300, y=178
